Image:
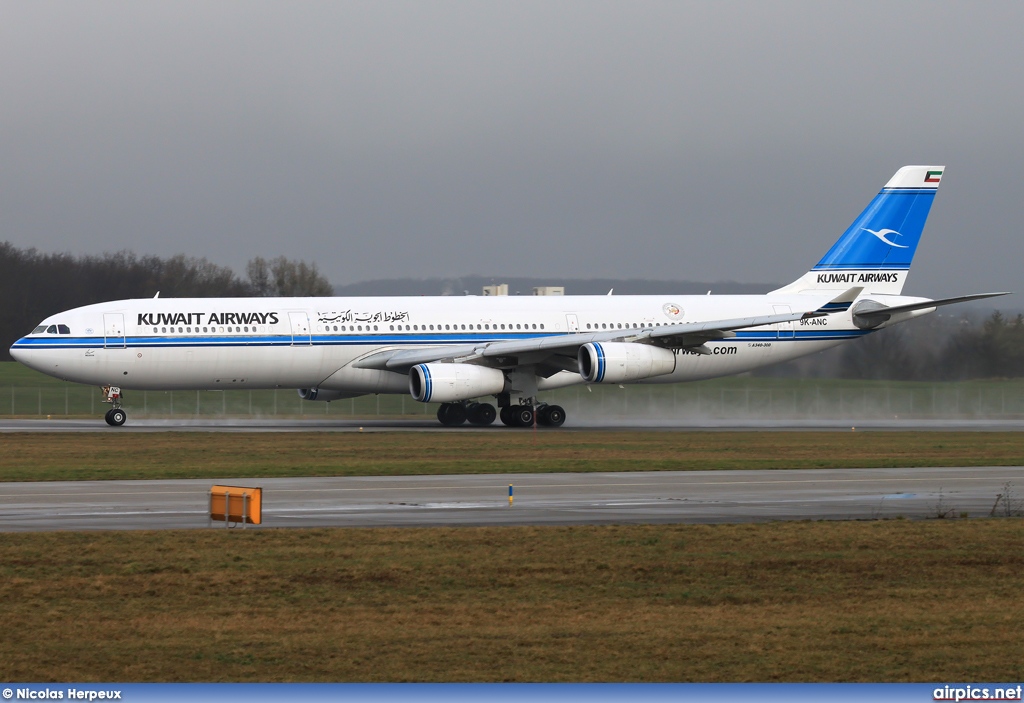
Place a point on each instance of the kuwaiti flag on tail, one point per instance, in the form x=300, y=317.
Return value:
x=885, y=236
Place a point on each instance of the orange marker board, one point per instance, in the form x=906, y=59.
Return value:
x=233, y=499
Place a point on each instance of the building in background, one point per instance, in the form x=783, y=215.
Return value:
x=502, y=289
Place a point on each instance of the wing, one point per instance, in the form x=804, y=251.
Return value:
x=558, y=352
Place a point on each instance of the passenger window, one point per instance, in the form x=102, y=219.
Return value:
x=431, y=328
x=542, y=325
x=375, y=328
x=206, y=329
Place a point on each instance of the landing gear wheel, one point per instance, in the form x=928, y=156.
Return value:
x=551, y=416
x=115, y=417
x=506, y=416
x=481, y=414
x=451, y=414
x=522, y=415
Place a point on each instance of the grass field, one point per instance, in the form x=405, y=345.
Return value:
x=854, y=601
x=114, y=455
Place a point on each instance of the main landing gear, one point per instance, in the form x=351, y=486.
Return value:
x=452, y=414
x=115, y=417
x=523, y=415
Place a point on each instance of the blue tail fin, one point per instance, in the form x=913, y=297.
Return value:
x=877, y=249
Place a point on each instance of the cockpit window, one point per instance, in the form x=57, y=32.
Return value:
x=52, y=329
x=40, y=329
x=63, y=329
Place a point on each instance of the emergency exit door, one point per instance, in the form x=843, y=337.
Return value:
x=784, y=330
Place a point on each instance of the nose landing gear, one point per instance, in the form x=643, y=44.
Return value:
x=115, y=417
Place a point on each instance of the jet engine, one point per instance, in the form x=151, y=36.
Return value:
x=617, y=362
x=448, y=383
x=318, y=394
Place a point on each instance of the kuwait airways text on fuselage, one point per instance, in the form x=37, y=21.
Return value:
x=212, y=318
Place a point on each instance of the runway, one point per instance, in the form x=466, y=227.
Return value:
x=540, y=499
x=429, y=424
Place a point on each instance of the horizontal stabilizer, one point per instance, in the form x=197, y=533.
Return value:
x=871, y=314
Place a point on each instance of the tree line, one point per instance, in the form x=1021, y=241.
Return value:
x=943, y=346
x=938, y=347
x=34, y=285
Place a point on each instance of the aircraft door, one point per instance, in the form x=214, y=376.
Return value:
x=113, y=330
x=300, y=329
x=784, y=330
x=572, y=323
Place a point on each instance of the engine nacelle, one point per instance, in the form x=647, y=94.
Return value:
x=447, y=383
x=616, y=362
x=318, y=394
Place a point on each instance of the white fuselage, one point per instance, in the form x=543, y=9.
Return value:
x=228, y=343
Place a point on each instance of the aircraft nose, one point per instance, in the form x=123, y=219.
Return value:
x=22, y=354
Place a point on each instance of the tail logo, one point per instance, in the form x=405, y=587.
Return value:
x=882, y=233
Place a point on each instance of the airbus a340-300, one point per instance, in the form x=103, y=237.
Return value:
x=462, y=351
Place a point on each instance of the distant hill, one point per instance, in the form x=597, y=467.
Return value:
x=473, y=285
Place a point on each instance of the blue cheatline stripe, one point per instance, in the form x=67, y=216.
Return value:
x=271, y=341
x=366, y=340
x=834, y=307
x=600, y=361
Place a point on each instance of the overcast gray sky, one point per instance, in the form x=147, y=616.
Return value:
x=705, y=141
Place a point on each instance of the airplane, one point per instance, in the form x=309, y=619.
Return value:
x=461, y=351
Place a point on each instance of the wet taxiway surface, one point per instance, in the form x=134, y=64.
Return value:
x=429, y=424
x=540, y=499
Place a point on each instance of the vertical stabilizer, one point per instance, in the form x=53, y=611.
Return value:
x=875, y=252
